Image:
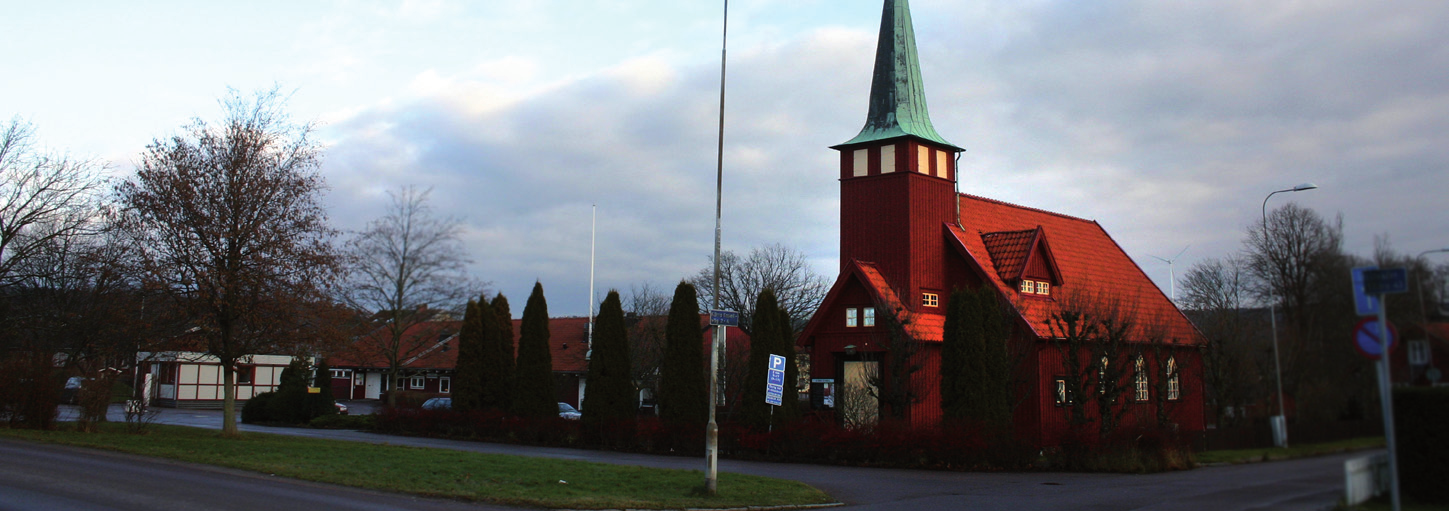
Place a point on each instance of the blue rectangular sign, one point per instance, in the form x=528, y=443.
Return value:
x=724, y=318
x=775, y=381
x=1364, y=303
x=1386, y=281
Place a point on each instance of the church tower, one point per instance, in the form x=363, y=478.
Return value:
x=897, y=176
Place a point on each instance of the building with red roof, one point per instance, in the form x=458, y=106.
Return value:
x=908, y=239
x=430, y=358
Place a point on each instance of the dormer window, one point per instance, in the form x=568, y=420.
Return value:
x=1036, y=287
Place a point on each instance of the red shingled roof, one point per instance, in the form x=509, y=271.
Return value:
x=1008, y=250
x=436, y=345
x=1088, y=260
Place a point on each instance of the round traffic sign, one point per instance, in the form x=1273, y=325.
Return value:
x=1366, y=338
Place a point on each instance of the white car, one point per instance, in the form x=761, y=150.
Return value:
x=568, y=412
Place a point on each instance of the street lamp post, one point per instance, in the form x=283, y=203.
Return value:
x=1423, y=313
x=1280, y=423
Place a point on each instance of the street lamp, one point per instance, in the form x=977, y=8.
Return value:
x=1280, y=423
x=1423, y=314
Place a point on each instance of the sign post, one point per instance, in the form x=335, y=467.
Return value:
x=775, y=386
x=1383, y=282
x=720, y=320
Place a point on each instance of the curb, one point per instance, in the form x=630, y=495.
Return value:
x=746, y=508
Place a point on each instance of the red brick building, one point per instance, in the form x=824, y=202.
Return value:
x=908, y=239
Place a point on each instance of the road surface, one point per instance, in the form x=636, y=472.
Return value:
x=1304, y=484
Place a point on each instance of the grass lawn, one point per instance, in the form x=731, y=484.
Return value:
x=1295, y=451
x=496, y=478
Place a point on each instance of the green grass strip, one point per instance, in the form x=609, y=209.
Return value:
x=495, y=478
x=1294, y=451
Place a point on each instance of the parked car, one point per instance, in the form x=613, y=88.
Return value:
x=568, y=412
x=341, y=408
x=438, y=403
x=70, y=394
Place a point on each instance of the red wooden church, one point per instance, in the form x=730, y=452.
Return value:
x=908, y=239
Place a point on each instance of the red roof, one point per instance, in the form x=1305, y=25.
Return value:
x=1087, y=258
x=1009, y=250
x=434, y=345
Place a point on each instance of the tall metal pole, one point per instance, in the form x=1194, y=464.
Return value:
x=1386, y=398
x=1423, y=312
x=593, y=232
x=1281, y=434
x=711, y=432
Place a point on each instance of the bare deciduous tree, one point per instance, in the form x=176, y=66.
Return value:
x=404, y=261
x=648, y=308
x=1216, y=298
x=43, y=197
x=778, y=267
x=230, y=224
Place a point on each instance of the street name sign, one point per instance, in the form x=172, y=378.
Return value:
x=1386, y=281
x=724, y=318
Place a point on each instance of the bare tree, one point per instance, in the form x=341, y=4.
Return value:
x=1297, y=260
x=43, y=196
x=1216, y=297
x=778, y=267
x=404, y=261
x=648, y=311
x=229, y=222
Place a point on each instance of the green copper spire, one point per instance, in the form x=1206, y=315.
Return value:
x=897, y=96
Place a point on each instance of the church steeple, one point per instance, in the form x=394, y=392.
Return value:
x=897, y=95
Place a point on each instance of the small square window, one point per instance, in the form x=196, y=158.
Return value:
x=417, y=382
x=869, y=319
x=1043, y=288
x=1027, y=286
x=244, y=374
x=1419, y=353
x=850, y=317
x=930, y=299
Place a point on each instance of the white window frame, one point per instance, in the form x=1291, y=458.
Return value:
x=445, y=385
x=1027, y=287
x=930, y=299
x=1102, y=375
x=1174, y=380
x=417, y=382
x=1043, y=287
x=1139, y=381
x=1419, y=353
x=851, y=318
x=867, y=316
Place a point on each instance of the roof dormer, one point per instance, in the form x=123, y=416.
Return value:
x=1024, y=258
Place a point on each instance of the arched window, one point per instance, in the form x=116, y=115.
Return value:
x=1174, y=380
x=1139, y=380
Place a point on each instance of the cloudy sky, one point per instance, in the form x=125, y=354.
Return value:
x=1166, y=122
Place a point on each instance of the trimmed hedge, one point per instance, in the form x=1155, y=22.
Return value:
x=1420, y=415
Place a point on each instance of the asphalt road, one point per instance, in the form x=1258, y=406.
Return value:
x=1304, y=484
